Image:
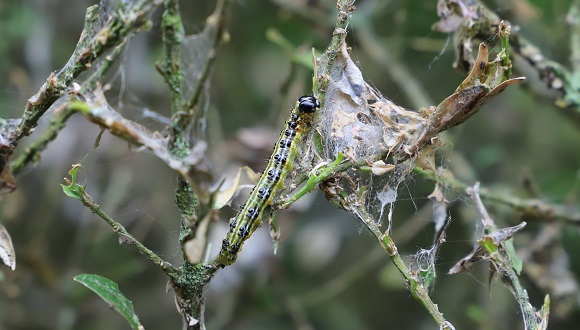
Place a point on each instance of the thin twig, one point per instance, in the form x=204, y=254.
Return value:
x=124, y=236
x=479, y=22
x=63, y=113
x=494, y=244
x=34, y=150
x=216, y=23
x=114, y=32
x=534, y=207
x=418, y=291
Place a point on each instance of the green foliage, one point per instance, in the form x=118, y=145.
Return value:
x=109, y=292
x=73, y=189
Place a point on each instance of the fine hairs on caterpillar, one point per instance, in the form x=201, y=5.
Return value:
x=280, y=163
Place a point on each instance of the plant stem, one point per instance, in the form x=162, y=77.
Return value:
x=418, y=291
x=60, y=117
x=314, y=179
x=537, y=208
x=90, y=47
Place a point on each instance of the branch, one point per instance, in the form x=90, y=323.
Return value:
x=408, y=131
x=74, y=190
x=194, y=198
x=533, y=207
x=475, y=21
x=94, y=42
x=413, y=282
x=100, y=34
x=61, y=115
x=495, y=246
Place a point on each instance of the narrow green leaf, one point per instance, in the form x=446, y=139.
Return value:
x=516, y=261
x=73, y=173
x=109, y=292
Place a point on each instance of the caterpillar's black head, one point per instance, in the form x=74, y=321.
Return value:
x=308, y=104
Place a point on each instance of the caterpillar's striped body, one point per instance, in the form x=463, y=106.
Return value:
x=280, y=163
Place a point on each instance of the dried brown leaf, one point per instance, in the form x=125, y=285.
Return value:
x=7, y=254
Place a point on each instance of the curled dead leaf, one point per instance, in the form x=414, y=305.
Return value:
x=7, y=253
x=224, y=196
x=380, y=167
x=195, y=248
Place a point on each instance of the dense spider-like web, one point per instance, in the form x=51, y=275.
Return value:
x=378, y=138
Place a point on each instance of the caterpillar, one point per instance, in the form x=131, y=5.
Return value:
x=249, y=217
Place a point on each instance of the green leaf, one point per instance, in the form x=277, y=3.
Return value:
x=488, y=244
x=109, y=292
x=317, y=143
x=70, y=192
x=73, y=189
x=297, y=55
x=516, y=261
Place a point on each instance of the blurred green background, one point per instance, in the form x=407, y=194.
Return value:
x=328, y=273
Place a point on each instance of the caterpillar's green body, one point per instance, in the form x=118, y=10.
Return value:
x=280, y=163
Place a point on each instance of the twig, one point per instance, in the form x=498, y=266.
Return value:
x=77, y=191
x=494, y=245
x=127, y=20
x=190, y=198
x=479, y=22
x=61, y=115
x=114, y=32
x=329, y=289
x=173, y=35
x=216, y=23
x=345, y=9
x=418, y=291
x=33, y=152
x=537, y=208
x=316, y=178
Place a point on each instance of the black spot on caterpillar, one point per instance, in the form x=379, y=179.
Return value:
x=249, y=217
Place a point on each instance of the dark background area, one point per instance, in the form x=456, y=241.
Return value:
x=519, y=134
